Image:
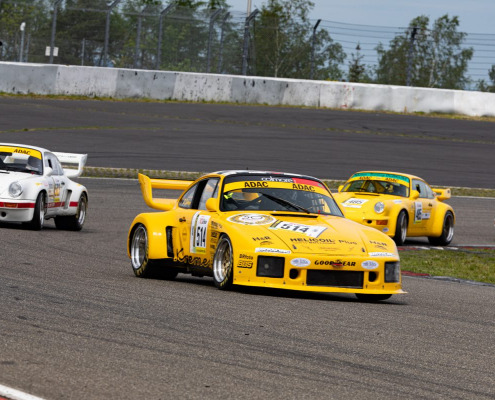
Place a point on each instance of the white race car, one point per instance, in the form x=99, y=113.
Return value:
x=34, y=187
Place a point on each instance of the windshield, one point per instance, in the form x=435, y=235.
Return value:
x=20, y=159
x=275, y=193
x=377, y=186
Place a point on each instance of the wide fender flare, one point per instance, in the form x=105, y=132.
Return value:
x=437, y=225
x=155, y=224
x=76, y=192
x=394, y=214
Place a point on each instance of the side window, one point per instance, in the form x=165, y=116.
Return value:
x=210, y=190
x=429, y=192
x=187, y=200
x=420, y=186
x=52, y=162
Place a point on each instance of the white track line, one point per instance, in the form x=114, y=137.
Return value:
x=16, y=394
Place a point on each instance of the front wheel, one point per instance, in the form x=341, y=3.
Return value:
x=38, y=220
x=401, y=229
x=142, y=266
x=447, y=231
x=371, y=298
x=223, y=264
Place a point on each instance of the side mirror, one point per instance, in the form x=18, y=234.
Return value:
x=211, y=205
x=340, y=188
x=48, y=171
x=414, y=194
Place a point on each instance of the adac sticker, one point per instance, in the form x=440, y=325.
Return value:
x=251, y=219
x=300, y=262
x=370, y=264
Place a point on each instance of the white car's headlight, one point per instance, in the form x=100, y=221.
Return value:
x=15, y=189
x=379, y=207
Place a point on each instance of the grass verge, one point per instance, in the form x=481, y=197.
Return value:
x=131, y=173
x=470, y=264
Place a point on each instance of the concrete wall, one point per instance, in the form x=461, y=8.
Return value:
x=25, y=78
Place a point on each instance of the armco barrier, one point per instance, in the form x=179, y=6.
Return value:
x=23, y=78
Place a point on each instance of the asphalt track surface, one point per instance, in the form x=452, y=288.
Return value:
x=210, y=137
x=75, y=322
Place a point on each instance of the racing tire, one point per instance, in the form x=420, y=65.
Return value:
x=142, y=266
x=38, y=220
x=371, y=298
x=401, y=229
x=447, y=231
x=223, y=264
x=74, y=222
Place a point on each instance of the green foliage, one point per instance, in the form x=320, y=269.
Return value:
x=488, y=87
x=357, y=69
x=471, y=264
x=283, y=43
x=436, y=57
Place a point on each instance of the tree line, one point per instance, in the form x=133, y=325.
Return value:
x=278, y=40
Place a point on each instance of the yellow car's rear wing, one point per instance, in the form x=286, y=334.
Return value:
x=442, y=194
x=148, y=184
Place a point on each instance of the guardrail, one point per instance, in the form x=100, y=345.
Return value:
x=45, y=79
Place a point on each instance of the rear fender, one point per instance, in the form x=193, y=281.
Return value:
x=437, y=226
x=155, y=224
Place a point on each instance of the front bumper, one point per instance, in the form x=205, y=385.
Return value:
x=16, y=211
x=337, y=274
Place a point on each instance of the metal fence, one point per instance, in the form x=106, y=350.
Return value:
x=120, y=33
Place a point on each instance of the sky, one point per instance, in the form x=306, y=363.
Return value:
x=476, y=16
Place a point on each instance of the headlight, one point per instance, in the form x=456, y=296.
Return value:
x=379, y=207
x=15, y=189
x=392, y=271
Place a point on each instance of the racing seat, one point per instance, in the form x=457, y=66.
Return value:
x=34, y=164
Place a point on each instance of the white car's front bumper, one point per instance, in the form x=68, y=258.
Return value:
x=16, y=210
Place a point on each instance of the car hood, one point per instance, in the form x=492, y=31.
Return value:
x=358, y=203
x=300, y=233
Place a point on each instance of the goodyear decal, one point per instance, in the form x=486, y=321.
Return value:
x=20, y=150
x=381, y=176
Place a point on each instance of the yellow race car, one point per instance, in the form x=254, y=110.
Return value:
x=399, y=205
x=258, y=228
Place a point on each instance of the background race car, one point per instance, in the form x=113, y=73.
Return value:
x=259, y=228
x=399, y=205
x=34, y=187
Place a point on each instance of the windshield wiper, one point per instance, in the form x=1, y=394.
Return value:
x=286, y=203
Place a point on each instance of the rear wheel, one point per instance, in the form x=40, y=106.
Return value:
x=142, y=266
x=370, y=298
x=447, y=231
x=401, y=229
x=223, y=264
x=38, y=220
x=74, y=222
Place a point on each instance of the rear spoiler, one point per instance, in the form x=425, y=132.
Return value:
x=72, y=159
x=442, y=194
x=148, y=184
